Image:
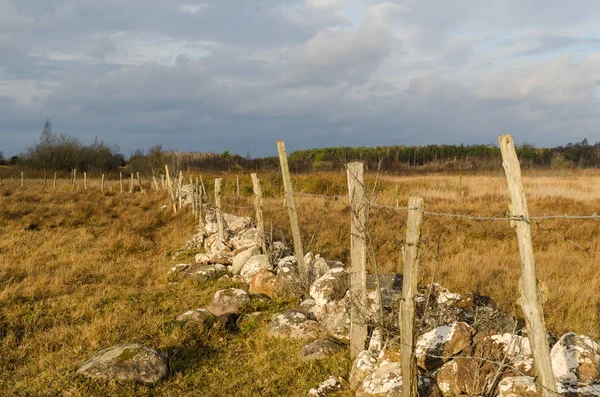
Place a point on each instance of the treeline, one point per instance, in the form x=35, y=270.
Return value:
x=445, y=157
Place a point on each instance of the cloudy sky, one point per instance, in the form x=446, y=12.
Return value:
x=211, y=75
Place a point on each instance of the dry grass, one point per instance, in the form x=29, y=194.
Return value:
x=82, y=270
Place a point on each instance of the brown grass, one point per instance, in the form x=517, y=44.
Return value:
x=81, y=270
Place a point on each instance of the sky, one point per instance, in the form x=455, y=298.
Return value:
x=238, y=75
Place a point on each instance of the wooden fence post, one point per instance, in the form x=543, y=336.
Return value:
x=258, y=203
x=529, y=300
x=102, y=184
x=21, y=178
x=193, y=197
x=199, y=204
x=358, y=258
x=139, y=181
x=74, y=176
x=204, y=193
x=155, y=183
x=84, y=180
x=237, y=190
x=291, y=206
x=121, y=180
x=131, y=183
x=218, y=209
x=54, y=183
x=170, y=187
x=410, y=277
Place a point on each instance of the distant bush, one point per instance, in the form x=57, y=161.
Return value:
x=64, y=153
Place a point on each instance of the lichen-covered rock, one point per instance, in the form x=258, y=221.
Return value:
x=245, y=239
x=240, y=259
x=316, y=266
x=332, y=286
x=363, y=366
x=126, y=362
x=335, y=317
x=287, y=268
x=517, y=386
x=327, y=387
x=576, y=360
x=253, y=265
x=264, y=282
x=307, y=330
x=386, y=381
x=229, y=300
x=236, y=224
x=200, y=272
x=439, y=345
x=320, y=349
x=510, y=349
x=278, y=251
x=282, y=325
x=202, y=316
x=196, y=242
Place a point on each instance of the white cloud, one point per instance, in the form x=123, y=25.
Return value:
x=192, y=8
x=321, y=4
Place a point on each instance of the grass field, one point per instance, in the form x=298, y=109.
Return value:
x=83, y=270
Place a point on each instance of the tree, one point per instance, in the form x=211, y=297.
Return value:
x=47, y=137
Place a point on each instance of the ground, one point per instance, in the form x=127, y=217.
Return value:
x=84, y=270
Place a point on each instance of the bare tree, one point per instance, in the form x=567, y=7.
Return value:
x=47, y=136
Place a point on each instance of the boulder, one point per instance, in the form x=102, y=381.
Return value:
x=335, y=317
x=253, y=265
x=309, y=329
x=287, y=268
x=517, y=386
x=201, y=316
x=282, y=325
x=264, y=282
x=240, y=259
x=229, y=300
x=316, y=265
x=129, y=361
x=439, y=345
x=327, y=387
x=196, y=242
x=386, y=381
x=332, y=286
x=364, y=365
x=576, y=360
x=320, y=349
x=236, y=224
x=200, y=272
x=245, y=239
x=278, y=251
x=210, y=221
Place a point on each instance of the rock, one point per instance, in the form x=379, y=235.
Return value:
x=517, y=386
x=213, y=256
x=229, y=300
x=386, y=381
x=332, y=286
x=210, y=221
x=227, y=322
x=510, y=349
x=263, y=282
x=576, y=360
x=129, y=361
x=240, y=259
x=330, y=385
x=335, y=318
x=363, y=366
x=179, y=268
x=196, y=242
x=236, y=224
x=278, y=251
x=320, y=349
x=202, y=316
x=207, y=272
x=317, y=266
x=253, y=265
x=283, y=324
x=443, y=296
x=376, y=341
x=307, y=306
x=307, y=330
x=288, y=268
x=439, y=345
x=288, y=278
x=245, y=239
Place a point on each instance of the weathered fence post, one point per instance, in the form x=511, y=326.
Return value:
x=291, y=206
x=74, y=176
x=358, y=258
x=237, y=189
x=54, y=183
x=218, y=209
x=180, y=189
x=21, y=178
x=102, y=184
x=139, y=181
x=204, y=193
x=84, y=180
x=199, y=204
x=529, y=300
x=258, y=203
x=131, y=183
x=410, y=277
x=170, y=187
x=121, y=181
x=155, y=183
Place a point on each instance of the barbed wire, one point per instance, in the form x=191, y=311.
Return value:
x=588, y=250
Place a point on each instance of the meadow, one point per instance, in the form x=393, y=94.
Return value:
x=81, y=270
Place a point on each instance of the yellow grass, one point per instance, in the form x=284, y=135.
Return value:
x=81, y=270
